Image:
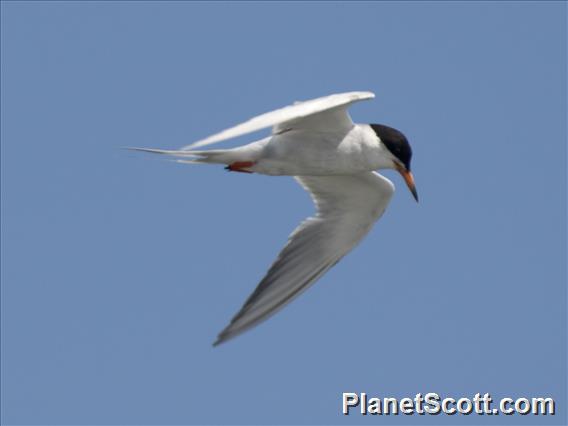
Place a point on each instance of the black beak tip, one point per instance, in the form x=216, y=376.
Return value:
x=415, y=194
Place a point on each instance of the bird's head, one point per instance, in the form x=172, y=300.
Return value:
x=400, y=152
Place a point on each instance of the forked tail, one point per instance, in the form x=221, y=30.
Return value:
x=217, y=156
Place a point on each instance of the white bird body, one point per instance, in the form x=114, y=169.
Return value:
x=304, y=152
x=334, y=160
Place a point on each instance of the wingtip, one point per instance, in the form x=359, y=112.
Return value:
x=366, y=94
x=220, y=340
x=226, y=334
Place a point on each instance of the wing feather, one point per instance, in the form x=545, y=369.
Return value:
x=347, y=207
x=294, y=115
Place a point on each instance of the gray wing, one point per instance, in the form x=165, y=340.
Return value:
x=347, y=207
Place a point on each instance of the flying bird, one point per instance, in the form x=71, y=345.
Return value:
x=334, y=160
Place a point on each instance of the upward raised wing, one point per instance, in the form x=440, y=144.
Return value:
x=347, y=207
x=331, y=113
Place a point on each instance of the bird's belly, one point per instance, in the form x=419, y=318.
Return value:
x=315, y=157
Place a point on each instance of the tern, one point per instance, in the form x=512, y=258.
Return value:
x=335, y=161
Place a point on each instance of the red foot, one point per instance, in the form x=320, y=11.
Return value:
x=240, y=166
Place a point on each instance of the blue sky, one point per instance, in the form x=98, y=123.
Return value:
x=119, y=269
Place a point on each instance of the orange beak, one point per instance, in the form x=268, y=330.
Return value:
x=409, y=179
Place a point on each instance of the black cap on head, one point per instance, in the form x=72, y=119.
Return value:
x=395, y=142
